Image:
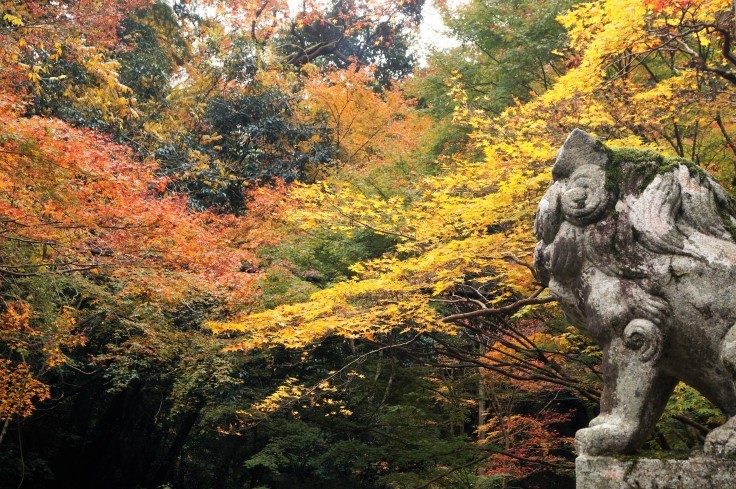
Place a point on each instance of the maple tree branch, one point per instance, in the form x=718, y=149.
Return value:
x=373, y=228
x=347, y=60
x=702, y=65
x=315, y=51
x=514, y=259
x=729, y=141
x=525, y=459
x=316, y=386
x=532, y=372
x=365, y=143
x=510, y=308
x=5, y=430
x=491, y=453
x=24, y=240
x=5, y=30
x=691, y=422
x=521, y=337
x=571, y=358
x=726, y=43
x=254, y=22
x=22, y=457
x=524, y=364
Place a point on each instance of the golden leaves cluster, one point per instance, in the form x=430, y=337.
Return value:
x=460, y=224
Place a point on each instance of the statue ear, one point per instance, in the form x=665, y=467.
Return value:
x=580, y=148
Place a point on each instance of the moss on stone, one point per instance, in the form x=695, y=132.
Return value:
x=614, y=175
x=640, y=167
x=727, y=221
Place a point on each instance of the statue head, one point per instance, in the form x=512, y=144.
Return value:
x=579, y=196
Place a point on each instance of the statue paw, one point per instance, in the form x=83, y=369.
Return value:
x=721, y=442
x=602, y=438
x=601, y=419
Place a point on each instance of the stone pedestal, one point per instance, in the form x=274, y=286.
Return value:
x=646, y=473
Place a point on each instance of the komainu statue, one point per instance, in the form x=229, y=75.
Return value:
x=639, y=250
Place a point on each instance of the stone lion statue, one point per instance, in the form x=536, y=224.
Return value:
x=639, y=250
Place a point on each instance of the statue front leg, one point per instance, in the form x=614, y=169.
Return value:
x=721, y=442
x=635, y=392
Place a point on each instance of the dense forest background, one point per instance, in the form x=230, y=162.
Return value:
x=257, y=244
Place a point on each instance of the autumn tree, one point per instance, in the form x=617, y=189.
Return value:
x=87, y=226
x=339, y=33
x=256, y=169
x=441, y=267
x=118, y=246
x=376, y=34
x=459, y=273
x=508, y=51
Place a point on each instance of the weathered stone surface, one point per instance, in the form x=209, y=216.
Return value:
x=639, y=251
x=647, y=473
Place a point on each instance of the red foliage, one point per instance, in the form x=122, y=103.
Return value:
x=668, y=5
x=531, y=443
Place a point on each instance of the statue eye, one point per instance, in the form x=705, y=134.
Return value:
x=635, y=341
x=644, y=337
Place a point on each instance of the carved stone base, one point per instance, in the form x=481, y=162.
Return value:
x=646, y=473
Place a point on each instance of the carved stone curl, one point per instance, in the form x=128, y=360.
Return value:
x=639, y=251
x=644, y=337
x=585, y=199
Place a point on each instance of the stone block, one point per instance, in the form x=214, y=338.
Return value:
x=698, y=472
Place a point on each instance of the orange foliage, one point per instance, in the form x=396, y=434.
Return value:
x=74, y=203
x=35, y=32
x=369, y=129
x=18, y=390
x=667, y=5
x=19, y=384
x=87, y=204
